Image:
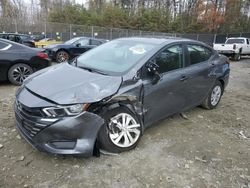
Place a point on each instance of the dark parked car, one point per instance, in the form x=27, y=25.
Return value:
x=17, y=61
x=72, y=48
x=108, y=96
x=19, y=38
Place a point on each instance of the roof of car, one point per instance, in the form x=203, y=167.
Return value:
x=13, y=34
x=156, y=40
x=91, y=38
x=237, y=38
x=10, y=42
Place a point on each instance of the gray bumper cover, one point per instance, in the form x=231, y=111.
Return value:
x=80, y=130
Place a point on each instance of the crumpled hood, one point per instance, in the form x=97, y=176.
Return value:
x=66, y=84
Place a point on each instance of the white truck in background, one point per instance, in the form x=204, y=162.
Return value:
x=234, y=47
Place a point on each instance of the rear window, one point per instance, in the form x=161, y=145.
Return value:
x=95, y=42
x=198, y=54
x=25, y=37
x=235, y=41
x=3, y=36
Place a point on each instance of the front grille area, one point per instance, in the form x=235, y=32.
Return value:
x=26, y=120
x=31, y=128
x=30, y=111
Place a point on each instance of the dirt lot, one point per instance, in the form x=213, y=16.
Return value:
x=208, y=149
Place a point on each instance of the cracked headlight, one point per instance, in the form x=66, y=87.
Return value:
x=61, y=111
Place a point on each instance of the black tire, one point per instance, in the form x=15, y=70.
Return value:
x=237, y=57
x=62, y=56
x=22, y=69
x=103, y=136
x=207, y=104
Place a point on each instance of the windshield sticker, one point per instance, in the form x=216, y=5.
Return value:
x=138, y=49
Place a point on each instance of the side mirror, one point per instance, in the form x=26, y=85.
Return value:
x=153, y=69
x=78, y=45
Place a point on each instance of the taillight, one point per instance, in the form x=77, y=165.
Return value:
x=42, y=55
x=234, y=46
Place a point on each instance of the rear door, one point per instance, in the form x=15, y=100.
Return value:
x=167, y=96
x=200, y=73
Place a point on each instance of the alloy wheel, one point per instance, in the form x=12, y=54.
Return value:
x=216, y=95
x=124, y=131
x=62, y=56
x=19, y=74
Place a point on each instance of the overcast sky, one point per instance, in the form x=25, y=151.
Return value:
x=81, y=1
x=77, y=1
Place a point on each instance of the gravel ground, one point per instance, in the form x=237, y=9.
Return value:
x=204, y=149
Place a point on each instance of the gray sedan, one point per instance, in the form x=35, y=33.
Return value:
x=108, y=96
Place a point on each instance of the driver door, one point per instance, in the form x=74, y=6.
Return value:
x=167, y=96
x=246, y=48
x=80, y=46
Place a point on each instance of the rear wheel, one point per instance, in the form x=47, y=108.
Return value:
x=121, y=131
x=62, y=56
x=214, y=96
x=18, y=73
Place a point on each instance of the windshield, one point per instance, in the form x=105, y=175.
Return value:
x=25, y=37
x=235, y=41
x=71, y=41
x=115, y=57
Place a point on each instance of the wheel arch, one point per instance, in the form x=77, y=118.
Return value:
x=240, y=50
x=18, y=62
x=222, y=83
x=109, y=106
x=128, y=101
x=63, y=49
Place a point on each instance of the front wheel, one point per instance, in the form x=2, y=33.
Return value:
x=214, y=96
x=121, y=131
x=237, y=57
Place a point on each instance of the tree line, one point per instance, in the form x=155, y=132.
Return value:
x=180, y=16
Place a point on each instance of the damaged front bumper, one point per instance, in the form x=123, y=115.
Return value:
x=67, y=135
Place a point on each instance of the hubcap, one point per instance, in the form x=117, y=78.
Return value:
x=62, y=57
x=216, y=94
x=124, y=131
x=20, y=74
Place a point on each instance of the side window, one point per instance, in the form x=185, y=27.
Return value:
x=95, y=42
x=198, y=54
x=83, y=42
x=17, y=38
x=247, y=41
x=3, y=36
x=11, y=37
x=170, y=58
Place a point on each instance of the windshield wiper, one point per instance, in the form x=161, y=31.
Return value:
x=93, y=70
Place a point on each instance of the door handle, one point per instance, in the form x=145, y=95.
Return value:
x=183, y=78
